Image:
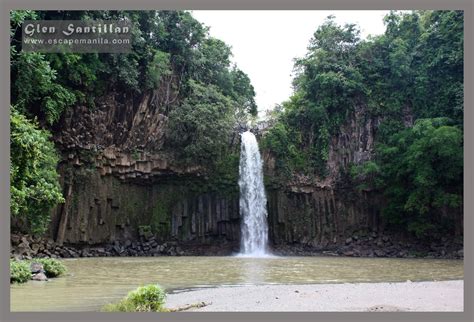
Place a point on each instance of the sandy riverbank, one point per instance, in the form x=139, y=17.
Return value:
x=407, y=296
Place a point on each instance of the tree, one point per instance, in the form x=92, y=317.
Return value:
x=34, y=182
x=201, y=126
x=421, y=169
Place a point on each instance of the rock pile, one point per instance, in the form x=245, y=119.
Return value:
x=370, y=245
x=380, y=245
x=28, y=247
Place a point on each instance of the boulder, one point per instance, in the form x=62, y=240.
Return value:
x=36, y=268
x=379, y=253
x=15, y=239
x=118, y=249
x=24, y=249
x=39, y=277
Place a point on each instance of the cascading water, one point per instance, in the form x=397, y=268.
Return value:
x=253, y=202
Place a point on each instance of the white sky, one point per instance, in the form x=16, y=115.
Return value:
x=264, y=43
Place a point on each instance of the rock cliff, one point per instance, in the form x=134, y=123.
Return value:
x=117, y=176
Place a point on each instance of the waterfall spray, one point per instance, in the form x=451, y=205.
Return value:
x=253, y=202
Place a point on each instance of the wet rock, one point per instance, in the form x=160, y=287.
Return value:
x=36, y=268
x=49, y=244
x=15, y=239
x=379, y=253
x=25, y=240
x=118, y=249
x=39, y=277
x=401, y=254
x=24, y=249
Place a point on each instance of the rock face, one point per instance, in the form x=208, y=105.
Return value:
x=323, y=211
x=105, y=208
x=120, y=180
x=320, y=216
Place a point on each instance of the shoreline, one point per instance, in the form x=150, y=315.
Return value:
x=438, y=296
x=381, y=246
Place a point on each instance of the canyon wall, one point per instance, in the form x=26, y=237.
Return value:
x=119, y=179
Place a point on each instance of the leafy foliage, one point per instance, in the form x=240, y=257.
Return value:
x=33, y=177
x=326, y=85
x=421, y=171
x=200, y=126
x=149, y=298
x=51, y=266
x=164, y=43
x=36, y=85
x=414, y=68
x=19, y=271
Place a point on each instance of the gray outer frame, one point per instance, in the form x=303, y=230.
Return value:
x=7, y=5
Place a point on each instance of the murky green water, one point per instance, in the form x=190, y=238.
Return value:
x=93, y=282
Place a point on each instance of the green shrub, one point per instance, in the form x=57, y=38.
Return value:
x=51, y=266
x=19, y=271
x=34, y=184
x=149, y=298
x=122, y=306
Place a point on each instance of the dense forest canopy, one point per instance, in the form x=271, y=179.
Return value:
x=414, y=72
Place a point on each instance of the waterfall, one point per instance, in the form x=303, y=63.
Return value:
x=253, y=202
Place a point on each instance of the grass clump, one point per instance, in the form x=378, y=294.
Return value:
x=149, y=298
x=19, y=271
x=51, y=266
